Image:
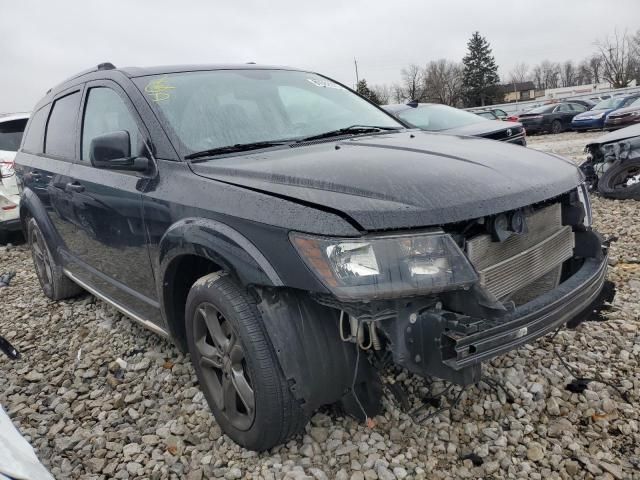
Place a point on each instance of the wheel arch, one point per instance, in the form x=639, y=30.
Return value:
x=194, y=247
x=31, y=207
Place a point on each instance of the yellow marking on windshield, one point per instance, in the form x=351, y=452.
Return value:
x=158, y=89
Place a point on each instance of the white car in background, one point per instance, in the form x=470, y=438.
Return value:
x=11, y=129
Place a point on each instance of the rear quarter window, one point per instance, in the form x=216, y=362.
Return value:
x=61, y=127
x=11, y=134
x=34, y=138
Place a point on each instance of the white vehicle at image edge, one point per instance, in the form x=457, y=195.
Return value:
x=11, y=129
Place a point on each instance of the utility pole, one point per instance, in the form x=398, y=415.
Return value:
x=357, y=78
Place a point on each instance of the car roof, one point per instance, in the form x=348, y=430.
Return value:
x=8, y=117
x=133, y=72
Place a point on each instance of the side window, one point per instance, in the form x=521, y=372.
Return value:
x=11, y=134
x=106, y=112
x=564, y=107
x=60, y=137
x=578, y=107
x=33, y=140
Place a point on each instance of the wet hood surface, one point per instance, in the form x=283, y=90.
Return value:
x=617, y=135
x=401, y=180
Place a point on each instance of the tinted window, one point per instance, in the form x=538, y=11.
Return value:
x=106, y=112
x=11, y=134
x=565, y=107
x=34, y=138
x=60, y=137
x=578, y=108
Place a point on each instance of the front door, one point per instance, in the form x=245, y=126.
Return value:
x=111, y=249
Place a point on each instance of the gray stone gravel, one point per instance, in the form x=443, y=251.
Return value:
x=100, y=397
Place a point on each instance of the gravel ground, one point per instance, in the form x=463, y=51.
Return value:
x=100, y=397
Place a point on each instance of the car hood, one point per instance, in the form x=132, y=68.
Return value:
x=401, y=180
x=617, y=135
x=481, y=129
x=590, y=113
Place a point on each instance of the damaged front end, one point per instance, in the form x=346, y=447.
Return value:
x=441, y=302
x=613, y=164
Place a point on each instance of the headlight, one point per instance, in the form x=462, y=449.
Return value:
x=386, y=266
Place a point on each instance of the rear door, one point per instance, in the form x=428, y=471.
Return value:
x=47, y=152
x=111, y=252
x=565, y=114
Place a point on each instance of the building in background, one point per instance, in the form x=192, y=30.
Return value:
x=518, y=92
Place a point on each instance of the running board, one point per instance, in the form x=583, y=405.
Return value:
x=145, y=323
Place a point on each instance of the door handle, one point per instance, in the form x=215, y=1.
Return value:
x=74, y=187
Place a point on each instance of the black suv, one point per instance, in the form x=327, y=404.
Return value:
x=294, y=237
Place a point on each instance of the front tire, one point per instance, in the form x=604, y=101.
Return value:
x=53, y=281
x=237, y=367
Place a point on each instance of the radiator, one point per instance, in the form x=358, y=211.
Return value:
x=509, y=266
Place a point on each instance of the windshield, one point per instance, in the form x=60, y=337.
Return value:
x=213, y=109
x=439, y=117
x=609, y=103
x=636, y=103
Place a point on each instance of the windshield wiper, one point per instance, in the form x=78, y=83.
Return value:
x=355, y=129
x=238, y=147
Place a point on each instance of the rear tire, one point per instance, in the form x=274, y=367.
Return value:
x=556, y=126
x=237, y=367
x=53, y=281
x=611, y=183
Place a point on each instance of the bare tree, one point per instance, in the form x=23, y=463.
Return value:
x=397, y=93
x=383, y=93
x=568, y=74
x=443, y=82
x=595, y=63
x=413, y=82
x=584, y=74
x=519, y=73
x=618, y=60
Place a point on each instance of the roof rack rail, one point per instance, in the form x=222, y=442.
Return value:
x=106, y=66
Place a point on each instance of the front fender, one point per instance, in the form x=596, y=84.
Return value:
x=222, y=245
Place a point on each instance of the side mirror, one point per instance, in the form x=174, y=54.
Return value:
x=113, y=151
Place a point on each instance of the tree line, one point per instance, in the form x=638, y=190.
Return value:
x=474, y=81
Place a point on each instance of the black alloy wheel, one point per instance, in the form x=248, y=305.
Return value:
x=237, y=366
x=225, y=374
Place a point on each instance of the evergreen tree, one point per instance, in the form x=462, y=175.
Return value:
x=480, y=74
x=365, y=91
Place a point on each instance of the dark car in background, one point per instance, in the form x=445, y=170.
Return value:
x=597, y=116
x=623, y=117
x=435, y=117
x=294, y=238
x=553, y=118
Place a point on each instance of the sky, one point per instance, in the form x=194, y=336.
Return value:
x=44, y=42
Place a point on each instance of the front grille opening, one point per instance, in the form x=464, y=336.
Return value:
x=528, y=265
